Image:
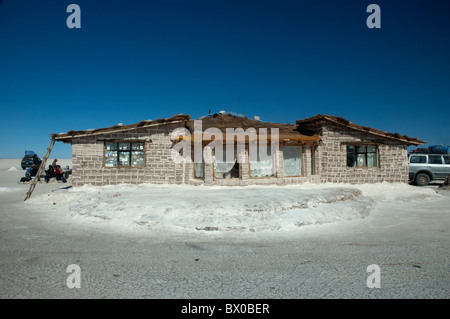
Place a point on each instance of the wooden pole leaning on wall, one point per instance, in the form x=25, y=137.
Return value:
x=40, y=170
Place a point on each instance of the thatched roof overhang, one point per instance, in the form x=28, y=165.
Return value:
x=239, y=128
x=68, y=137
x=316, y=122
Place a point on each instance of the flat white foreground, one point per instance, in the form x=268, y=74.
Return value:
x=185, y=209
x=179, y=241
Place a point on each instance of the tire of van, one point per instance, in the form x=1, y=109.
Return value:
x=422, y=179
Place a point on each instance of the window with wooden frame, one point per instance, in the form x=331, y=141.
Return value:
x=362, y=156
x=124, y=154
x=199, y=168
x=293, y=160
x=262, y=167
x=224, y=167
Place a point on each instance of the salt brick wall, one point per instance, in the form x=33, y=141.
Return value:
x=331, y=158
x=88, y=159
x=393, y=164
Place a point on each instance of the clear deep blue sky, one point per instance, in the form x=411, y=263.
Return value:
x=282, y=60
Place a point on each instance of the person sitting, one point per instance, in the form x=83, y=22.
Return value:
x=59, y=174
x=49, y=173
x=32, y=171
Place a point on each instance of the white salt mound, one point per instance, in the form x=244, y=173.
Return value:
x=12, y=169
x=198, y=208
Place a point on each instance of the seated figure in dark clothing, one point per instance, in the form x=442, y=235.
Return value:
x=49, y=173
x=32, y=171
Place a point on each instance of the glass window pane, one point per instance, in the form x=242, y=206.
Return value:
x=110, y=158
x=137, y=158
x=110, y=146
x=351, y=160
x=371, y=159
x=262, y=167
x=350, y=149
x=371, y=148
x=124, y=158
x=124, y=146
x=447, y=159
x=292, y=160
x=361, y=160
x=418, y=160
x=361, y=149
x=198, y=170
x=226, y=168
x=137, y=146
x=434, y=159
x=198, y=167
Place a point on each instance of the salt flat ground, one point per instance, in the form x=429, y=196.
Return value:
x=175, y=241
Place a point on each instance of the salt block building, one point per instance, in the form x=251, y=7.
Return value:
x=319, y=149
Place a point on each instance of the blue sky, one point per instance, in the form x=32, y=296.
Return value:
x=282, y=60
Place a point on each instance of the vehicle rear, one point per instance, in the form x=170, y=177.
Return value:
x=29, y=159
